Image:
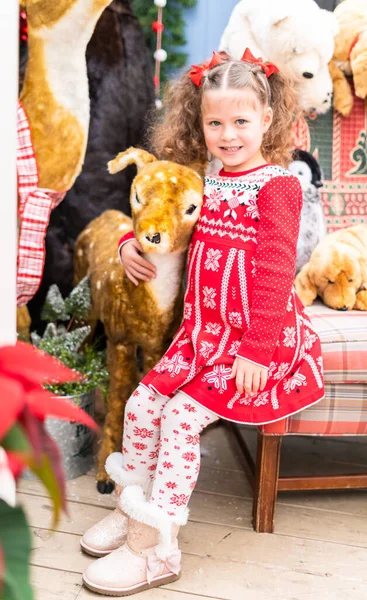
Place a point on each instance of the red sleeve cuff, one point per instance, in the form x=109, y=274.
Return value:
x=125, y=238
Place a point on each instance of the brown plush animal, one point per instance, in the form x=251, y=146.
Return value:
x=350, y=54
x=55, y=92
x=337, y=271
x=165, y=200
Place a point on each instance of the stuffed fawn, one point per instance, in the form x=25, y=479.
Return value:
x=165, y=199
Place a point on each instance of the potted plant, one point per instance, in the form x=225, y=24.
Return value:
x=63, y=340
x=24, y=442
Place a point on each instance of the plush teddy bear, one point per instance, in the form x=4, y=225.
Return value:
x=350, y=54
x=313, y=224
x=337, y=271
x=165, y=199
x=297, y=36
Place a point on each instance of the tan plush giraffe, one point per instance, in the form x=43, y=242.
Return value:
x=53, y=123
x=165, y=200
x=55, y=93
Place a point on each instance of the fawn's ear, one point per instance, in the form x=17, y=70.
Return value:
x=130, y=156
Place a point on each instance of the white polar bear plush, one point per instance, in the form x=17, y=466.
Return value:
x=296, y=35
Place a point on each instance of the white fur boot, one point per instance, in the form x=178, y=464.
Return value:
x=111, y=532
x=149, y=558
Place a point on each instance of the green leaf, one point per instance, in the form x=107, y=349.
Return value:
x=16, y=440
x=46, y=462
x=74, y=339
x=79, y=302
x=15, y=543
x=54, y=307
x=50, y=331
x=53, y=482
x=35, y=339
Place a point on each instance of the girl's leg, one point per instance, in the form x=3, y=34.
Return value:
x=151, y=556
x=178, y=465
x=135, y=466
x=140, y=445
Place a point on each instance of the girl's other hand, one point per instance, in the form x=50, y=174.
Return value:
x=136, y=267
x=250, y=378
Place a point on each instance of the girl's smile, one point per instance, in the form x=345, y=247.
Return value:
x=234, y=123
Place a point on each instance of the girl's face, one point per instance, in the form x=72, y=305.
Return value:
x=234, y=123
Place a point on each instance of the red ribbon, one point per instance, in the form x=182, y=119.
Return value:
x=198, y=71
x=268, y=68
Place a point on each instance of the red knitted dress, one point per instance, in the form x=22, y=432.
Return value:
x=240, y=301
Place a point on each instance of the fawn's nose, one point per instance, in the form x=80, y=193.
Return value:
x=343, y=308
x=154, y=239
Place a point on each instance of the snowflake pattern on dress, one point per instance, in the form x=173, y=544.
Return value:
x=213, y=328
x=209, y=297
x=218, y=376
x=213, y=200
x=272, y=368
x=183, y=342
x=281, y=371
x=234, y=348
x=233, y=203
x=252, y=209
x=295, y=381
x=187, y=310
x=310, y=339
x=175, y=364
x=235, y=319
x=206, y=348
x=261, y=399
x=212, y=259
x=289, y=337
x=161, y=366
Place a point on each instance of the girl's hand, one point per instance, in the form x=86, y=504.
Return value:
x=136, y=266
x=250, y=378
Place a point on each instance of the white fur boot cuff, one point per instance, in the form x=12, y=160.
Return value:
x=115, y=469
x=133, y=503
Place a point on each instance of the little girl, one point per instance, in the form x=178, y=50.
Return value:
x=245, y=351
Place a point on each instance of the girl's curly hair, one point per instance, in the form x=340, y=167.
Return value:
x=179, y=135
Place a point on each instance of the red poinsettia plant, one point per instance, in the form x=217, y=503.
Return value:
x=25, y=443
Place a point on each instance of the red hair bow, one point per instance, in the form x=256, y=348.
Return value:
x=198, y=71
x=268, y=68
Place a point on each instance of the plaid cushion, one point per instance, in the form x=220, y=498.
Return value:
x=343, y=411
x=343, y=338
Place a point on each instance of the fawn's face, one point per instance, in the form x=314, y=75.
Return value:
x=165, y=199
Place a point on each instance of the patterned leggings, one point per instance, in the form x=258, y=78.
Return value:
x=162, y=442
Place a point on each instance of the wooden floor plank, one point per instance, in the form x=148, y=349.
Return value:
x=215, y=577
x=318, y=550
x=220, y=542
x=160, y=593
x=50, y=584
x=293, y=520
